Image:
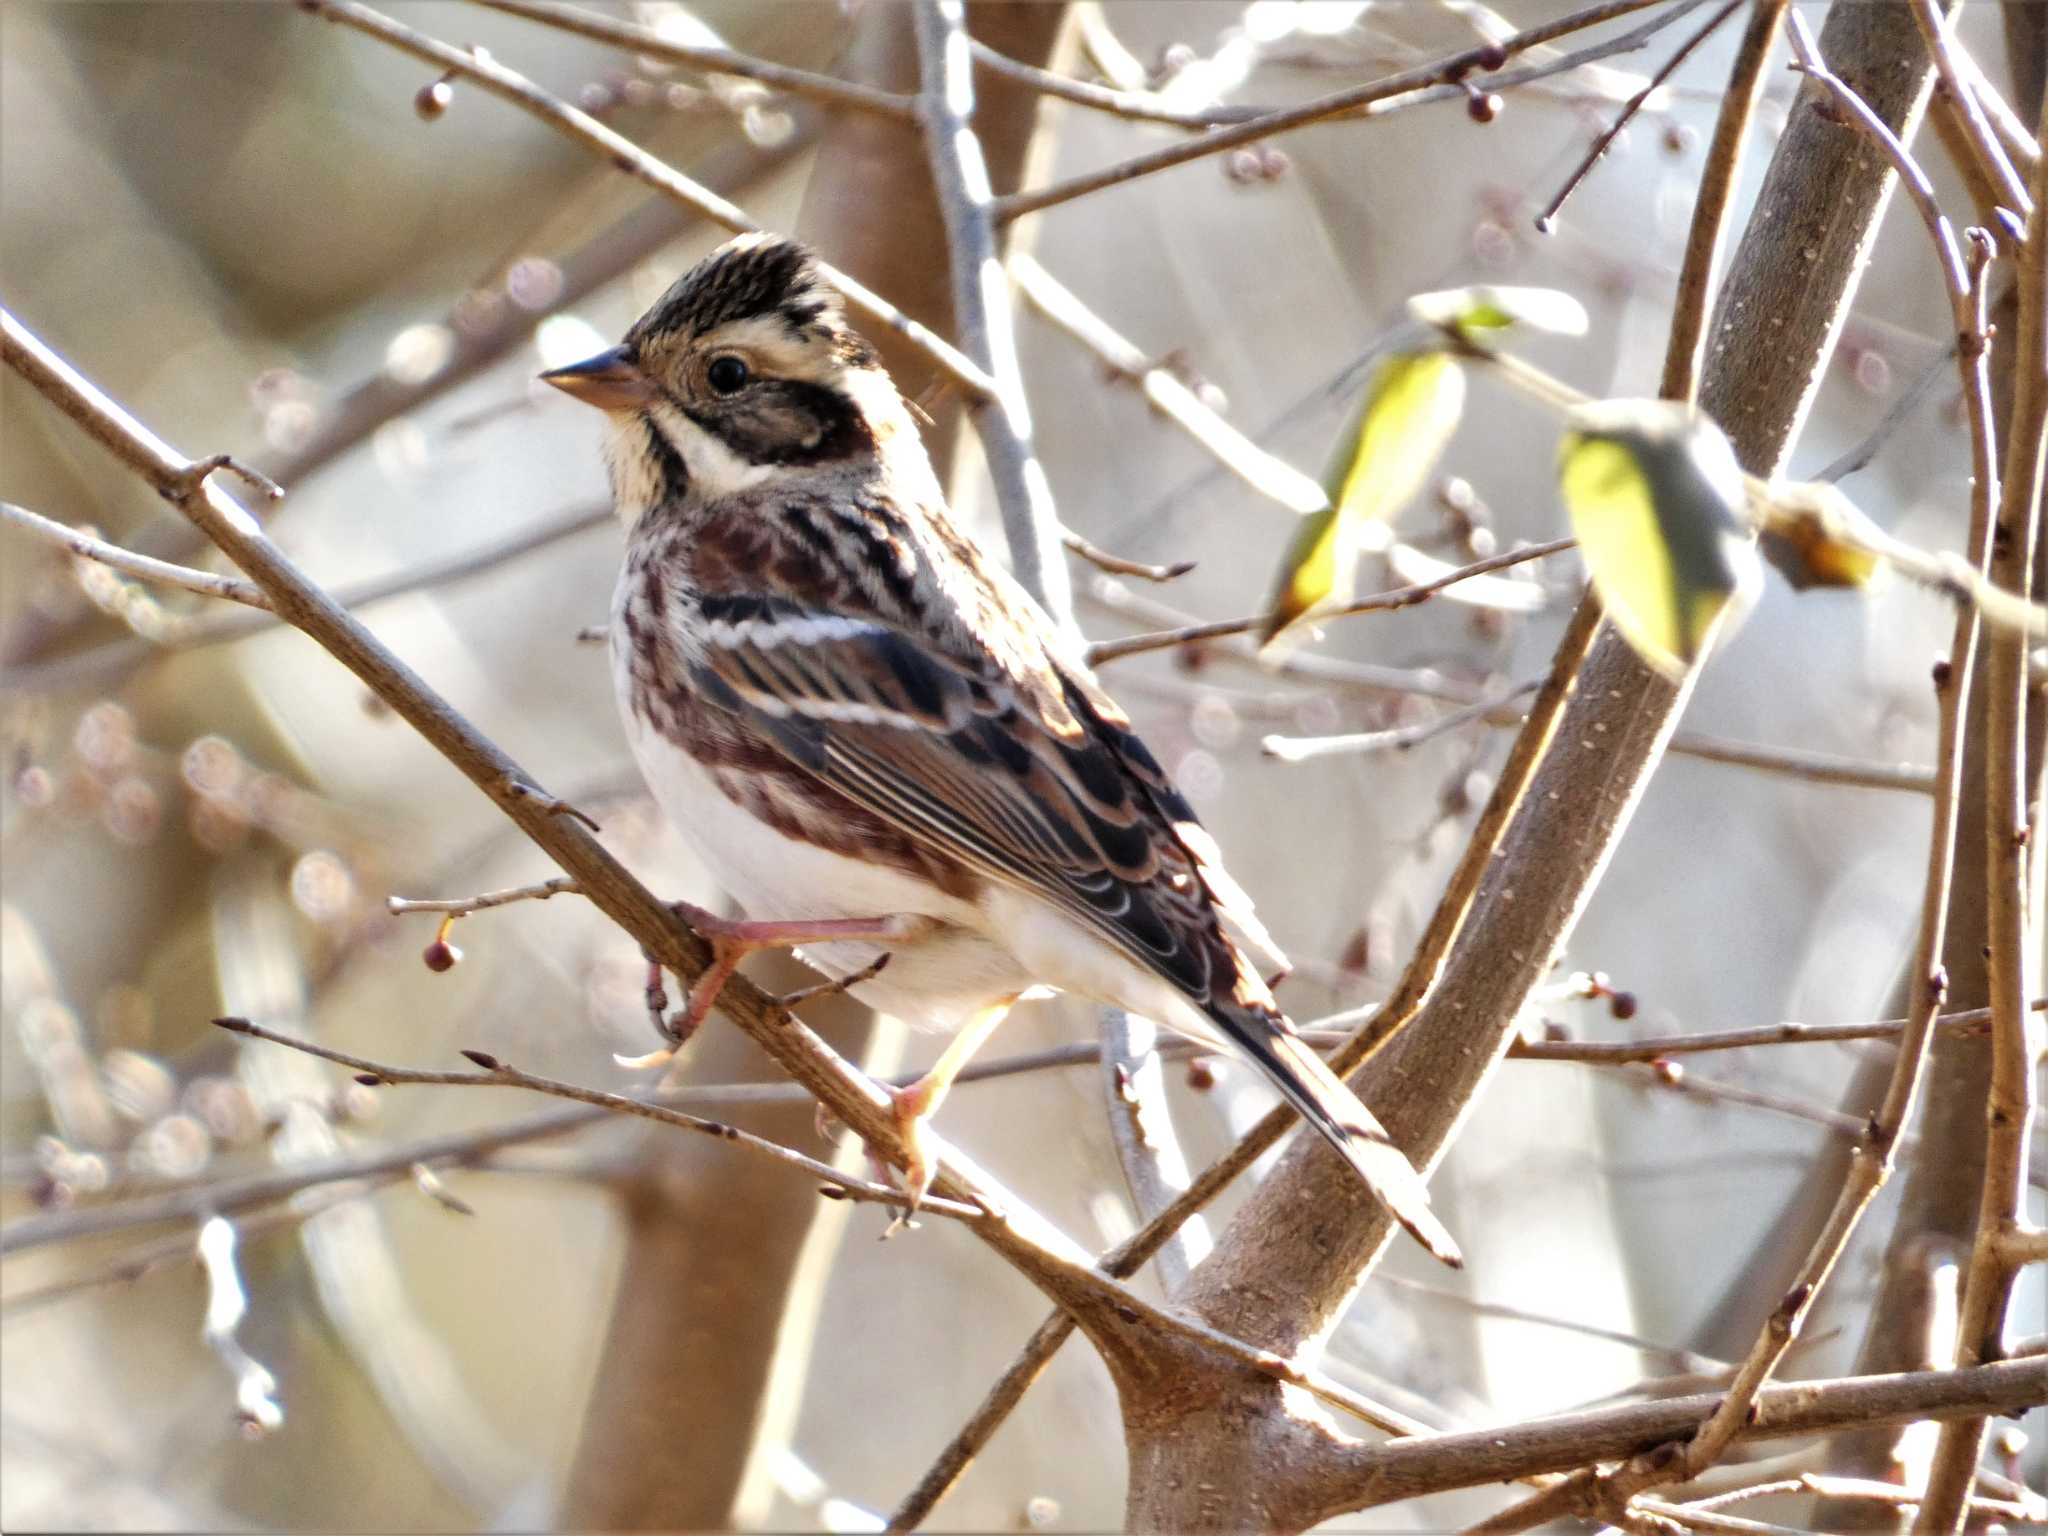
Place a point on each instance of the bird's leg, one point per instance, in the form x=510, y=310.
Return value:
x=916, y=1104
x=733, y=939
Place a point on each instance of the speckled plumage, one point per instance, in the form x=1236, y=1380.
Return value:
x=853, y=713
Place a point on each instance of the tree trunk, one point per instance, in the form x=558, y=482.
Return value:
x=1296, y=1253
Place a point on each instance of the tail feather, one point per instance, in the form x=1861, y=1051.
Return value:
x=1350, y=1127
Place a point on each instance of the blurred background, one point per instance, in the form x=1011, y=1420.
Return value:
x=248, y=227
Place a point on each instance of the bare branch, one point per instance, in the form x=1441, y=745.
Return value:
x=1367, y=678
x=1153, y=1165
x=1547, y=219
x=1405, y=1469
x=1302, y=749
x=981, y=303
x=1117, y=565
x=1271, y=477
x=1378, y=602
x=1414, y=86
x=1985, y=143
x=88, y=546
x=1686, y=349
x=823, y=89
x=2014, y=918
x=455, y=906
x=104, y=664
x=637, y=163
x=494, y=1073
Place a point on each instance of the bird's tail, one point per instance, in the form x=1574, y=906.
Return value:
x=1346, y=1124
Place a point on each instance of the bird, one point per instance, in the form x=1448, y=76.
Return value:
x=877, y=741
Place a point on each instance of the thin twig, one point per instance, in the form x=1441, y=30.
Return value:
x=104, y=664
x=557, y=886
x=1985, y=145
x=494, y=1073
x=1117, y=565
x=1153, y=1165
x=1365, y=677
x=88, y=546
x=981, y=303
x=1547, y=219
x=2032, y=1509
x=630, y=158
x=2013, y=921
x=1691, y=304
x=1860, y=453
x=1265, y=473
x=1405, y=1469
x=475, y=1148
x=1401, y=738
x=1138, y=106
x=1378, y=602
x=654, y=44
x=1372, y=99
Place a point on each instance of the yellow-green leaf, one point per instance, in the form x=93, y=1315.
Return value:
x=1408, y=412
x=1657, y=502
x=1491, y=307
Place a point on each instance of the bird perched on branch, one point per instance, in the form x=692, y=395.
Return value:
x=876, y=739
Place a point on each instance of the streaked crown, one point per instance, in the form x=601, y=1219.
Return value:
x=744, y=369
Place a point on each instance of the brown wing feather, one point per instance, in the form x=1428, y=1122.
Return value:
x=1009, y=758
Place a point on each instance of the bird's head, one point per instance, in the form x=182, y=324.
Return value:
x=743, y=370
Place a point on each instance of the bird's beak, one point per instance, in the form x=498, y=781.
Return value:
x=611, y=380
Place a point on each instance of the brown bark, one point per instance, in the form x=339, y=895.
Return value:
x=716, y=1246
x=1938, y=1206
x=1292, y=1259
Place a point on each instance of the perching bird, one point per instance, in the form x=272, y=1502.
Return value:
x=878, y=742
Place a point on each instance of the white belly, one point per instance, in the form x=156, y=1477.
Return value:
x=937, y=982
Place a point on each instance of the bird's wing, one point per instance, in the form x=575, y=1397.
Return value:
x=1065, y=802
x=955, y=755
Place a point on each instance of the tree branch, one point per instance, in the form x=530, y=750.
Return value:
x=1368, y=1476
x=630, y=158
x=1412, y=84
x=1270, y=476
x=981, y=304
x=2015, y=921
x=823, y=89
x=1379, y=602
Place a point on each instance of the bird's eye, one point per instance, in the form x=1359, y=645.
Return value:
x=726, y=375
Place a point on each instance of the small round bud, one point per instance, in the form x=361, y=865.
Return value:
x=1669, y=1072
x=1622, y=1005
x=1483, y=106
x=433, y=100
x=1273, y=163
x=441, y=956
x=1492, y=56
x=1202, y=1074
x=1680, y=139
x=1242, y=166
x=1944, y=672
